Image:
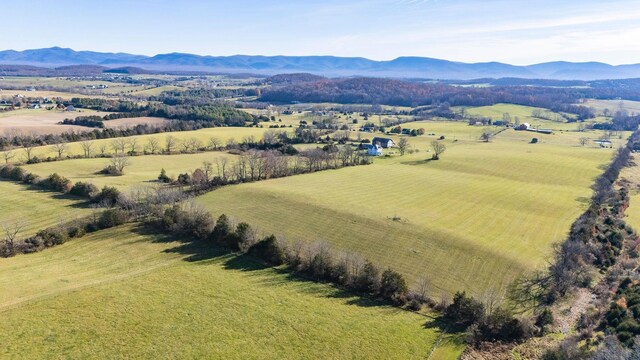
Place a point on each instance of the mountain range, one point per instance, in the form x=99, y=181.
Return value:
x=402, y=67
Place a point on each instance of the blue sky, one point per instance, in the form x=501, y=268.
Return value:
x=517, y=32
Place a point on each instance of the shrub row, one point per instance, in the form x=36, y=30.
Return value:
x=108, y=196
x=317, y=261
x=60, y=234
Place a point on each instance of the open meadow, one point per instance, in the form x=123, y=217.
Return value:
x=222, y=134
x=142, y=170
x=524, y=114
x=121, y=291
x=37, y=209
x=476, y=219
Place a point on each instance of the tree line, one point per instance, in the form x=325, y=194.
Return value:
x=414, y=94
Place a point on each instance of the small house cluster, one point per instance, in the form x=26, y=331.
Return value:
x=377, y=144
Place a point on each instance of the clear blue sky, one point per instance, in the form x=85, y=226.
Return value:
x=518, y=32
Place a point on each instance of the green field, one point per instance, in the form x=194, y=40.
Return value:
x=143, y=170
x=495, y=112
x=224, y=134
x=122, y=294
x=632, y=174
x=38, y=209
x=481, y=216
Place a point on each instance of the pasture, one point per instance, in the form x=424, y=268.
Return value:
x=37, y=209
x=142, y=171
x=223, y=134
x=613, y=105
x=120, y=291
x=632, y=174
x=524, y=114
x=474, y=220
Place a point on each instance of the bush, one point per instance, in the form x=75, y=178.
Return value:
x=57, y=183
x=369, y=279
x=544, y=318
x=110, y=170
x=393, y=286
x=222, y=231
x=184, y=179
x=499, y=325
x=112, y=217
x=107, y=196
x=83, y=189
x=163, y=178
x=269, y=250
x=53, y=236
x=464, y=310
x=245, y=236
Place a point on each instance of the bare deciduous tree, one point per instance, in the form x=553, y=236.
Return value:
x=153, y=145
x=133, y=145
x=103, y=149
x=422, y=288
x=438, y=148
x=583, y=141
x=214, y=143
x=170, y=143
x=119, y=146
x=60, y=148
x=28, y=152
x=486, y=135
x=87, y=148
x=207, y=167
x=402, y=145
x=11, y=232
x=8, y=155
x=120, y=162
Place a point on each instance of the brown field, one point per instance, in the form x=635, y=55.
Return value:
x=45, y=94
x=129, y=122
x=42, y=121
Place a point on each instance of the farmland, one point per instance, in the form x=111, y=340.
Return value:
x=224, y=134
x=36, y=208
x=143, y=170
x=484, y=214
x=41, y=121
x=123, y=292
x=469, y=221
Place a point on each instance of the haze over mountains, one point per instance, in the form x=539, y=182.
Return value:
x=402, y=67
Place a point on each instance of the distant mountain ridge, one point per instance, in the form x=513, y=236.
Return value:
x=402, y=67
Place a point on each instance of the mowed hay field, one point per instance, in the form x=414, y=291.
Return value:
x=37, y=209
x=120, y=292
x=142, y=171
x=474, y=220
x=42, y=121
x=496, y=112
x=223, y=134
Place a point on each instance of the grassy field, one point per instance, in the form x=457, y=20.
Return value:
x=613, y=105
x=38, y=209
x=224, y=134
x=120, y=292
x=143, y=170
x=632, y=174
x=523, y=113
x=481, y=216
